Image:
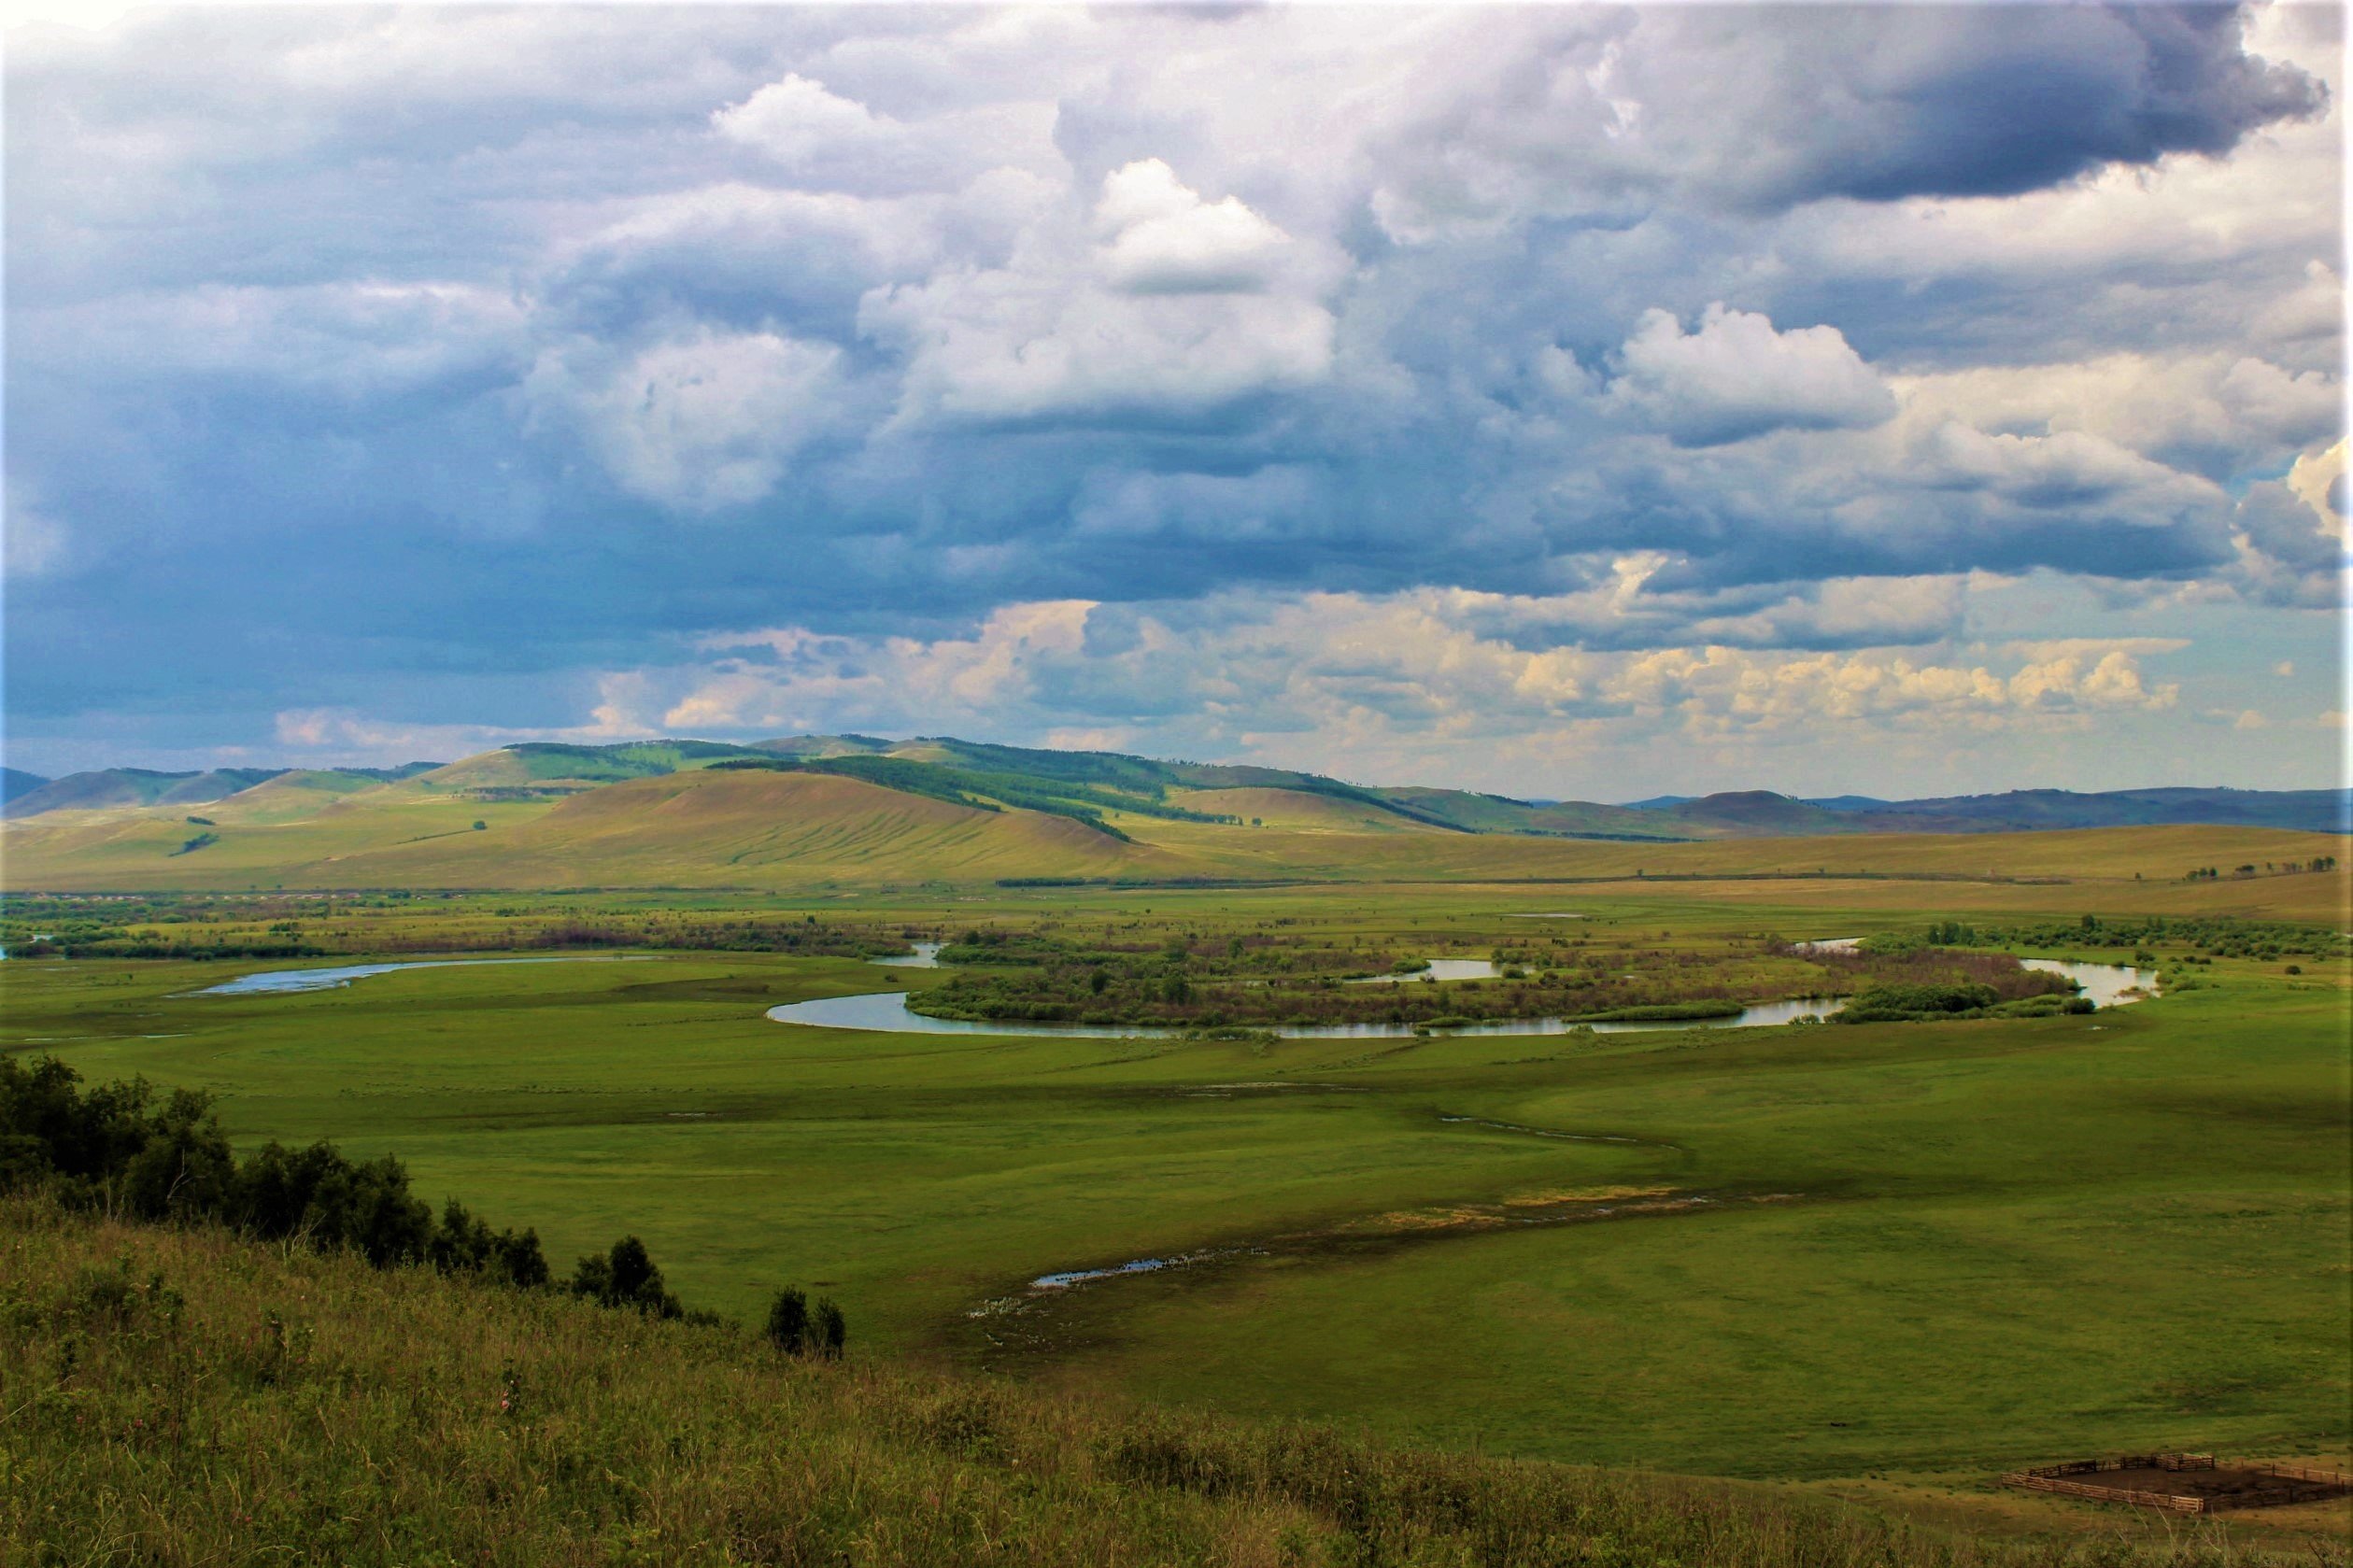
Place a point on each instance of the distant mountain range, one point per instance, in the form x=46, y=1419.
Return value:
x=942, y=766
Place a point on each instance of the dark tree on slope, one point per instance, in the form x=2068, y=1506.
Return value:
x=788, y=1321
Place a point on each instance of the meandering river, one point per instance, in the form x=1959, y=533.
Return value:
x=886, y=1011
x=2106, y=984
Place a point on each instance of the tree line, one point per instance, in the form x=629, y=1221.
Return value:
x=163, y=1158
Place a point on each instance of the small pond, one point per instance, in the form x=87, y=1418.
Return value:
x=1438, y=969
x=926, y=956
x=2107, y=985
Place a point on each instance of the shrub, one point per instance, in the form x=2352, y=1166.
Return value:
x=1882, y=1004
x=625, y=1276
x=830, y=1330
x=798, y=1329
x=788, y=1321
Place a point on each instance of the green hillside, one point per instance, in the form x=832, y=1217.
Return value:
x=179, y=1396
x=548, y=768
x=751, y=828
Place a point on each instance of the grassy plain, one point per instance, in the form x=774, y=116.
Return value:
x=1890, y=1257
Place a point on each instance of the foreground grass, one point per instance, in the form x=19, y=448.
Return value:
x=184, y=1397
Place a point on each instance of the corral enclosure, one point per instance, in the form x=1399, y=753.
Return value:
x=2186, y=1483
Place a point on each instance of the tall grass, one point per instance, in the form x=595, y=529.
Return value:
x=180, y=1396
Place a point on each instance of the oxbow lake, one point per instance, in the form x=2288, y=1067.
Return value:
x=278, y=982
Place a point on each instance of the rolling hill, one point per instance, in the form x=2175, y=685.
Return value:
x=813, y=810
x=752, y=828
x=105, y=788
x=2320, y=811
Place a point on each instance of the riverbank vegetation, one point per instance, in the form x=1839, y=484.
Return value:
x=1262, y=980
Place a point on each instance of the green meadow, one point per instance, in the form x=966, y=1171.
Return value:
x=1901, y=1256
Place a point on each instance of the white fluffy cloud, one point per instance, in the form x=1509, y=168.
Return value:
x=819, y=137
x=1162, y=238
x=700, y=422
x=1733, y=377
x=2293, y=544
x=1185, y=306
x=2217, y=413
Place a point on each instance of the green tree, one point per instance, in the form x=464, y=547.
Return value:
x=788, y=1321
x=829, y=1332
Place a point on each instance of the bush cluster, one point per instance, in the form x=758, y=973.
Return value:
x=798, y=1329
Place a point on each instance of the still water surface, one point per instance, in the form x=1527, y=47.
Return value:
x=2106, y=984
x=274, y=982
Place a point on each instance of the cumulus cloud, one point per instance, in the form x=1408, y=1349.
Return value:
x=1283, y=678
x=1162, y=238
x=701, y=422
x=1733, y=377
x=823, y=139
x=2291, y=534
x=1187, y=307
x=2218, y=414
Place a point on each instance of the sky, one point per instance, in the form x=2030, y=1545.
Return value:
x=1566, y=400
